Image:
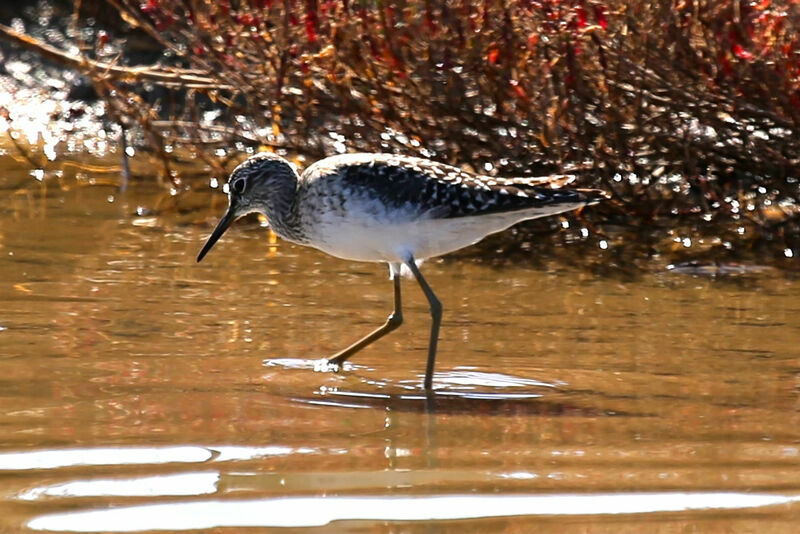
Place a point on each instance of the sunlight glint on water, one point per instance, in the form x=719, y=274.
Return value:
x=313, y=512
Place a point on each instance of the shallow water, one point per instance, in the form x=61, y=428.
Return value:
x=142, y=391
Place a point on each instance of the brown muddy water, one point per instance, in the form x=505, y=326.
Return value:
x=142, y=391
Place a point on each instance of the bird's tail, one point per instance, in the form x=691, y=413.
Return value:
x=593, y=196
x=563, y=181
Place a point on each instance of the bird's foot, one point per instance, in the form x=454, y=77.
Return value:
x=327, y=366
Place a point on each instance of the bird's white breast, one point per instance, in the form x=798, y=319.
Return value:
x=392, y=237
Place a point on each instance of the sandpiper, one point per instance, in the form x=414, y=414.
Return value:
x=388, y=208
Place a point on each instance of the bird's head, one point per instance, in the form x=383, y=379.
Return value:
x=264, y=183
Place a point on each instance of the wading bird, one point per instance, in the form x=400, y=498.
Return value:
x=387, y=208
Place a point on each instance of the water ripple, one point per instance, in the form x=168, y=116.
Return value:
x=294, y=512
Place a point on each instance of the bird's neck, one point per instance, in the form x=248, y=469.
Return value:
x=281, y=209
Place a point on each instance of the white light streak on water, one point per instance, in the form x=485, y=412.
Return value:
x=320, y=511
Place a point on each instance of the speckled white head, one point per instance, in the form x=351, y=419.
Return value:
x=263, y=183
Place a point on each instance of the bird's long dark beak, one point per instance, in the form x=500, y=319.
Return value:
x=222, y=225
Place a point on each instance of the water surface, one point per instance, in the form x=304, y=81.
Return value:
x=143, y=391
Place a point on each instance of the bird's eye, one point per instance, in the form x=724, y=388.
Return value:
x=238, y=186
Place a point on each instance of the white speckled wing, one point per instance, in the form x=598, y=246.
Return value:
x=418, y=187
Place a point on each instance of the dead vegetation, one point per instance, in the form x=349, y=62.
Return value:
x=687, y=111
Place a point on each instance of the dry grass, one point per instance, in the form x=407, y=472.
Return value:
x=682, y=109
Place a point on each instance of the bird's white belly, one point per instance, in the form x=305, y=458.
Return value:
x=374, y=240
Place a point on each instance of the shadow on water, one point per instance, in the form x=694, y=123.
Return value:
x=453, y=403
x=460, y=391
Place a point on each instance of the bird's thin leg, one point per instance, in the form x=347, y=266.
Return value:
x=394, y=320
x=436, y=320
